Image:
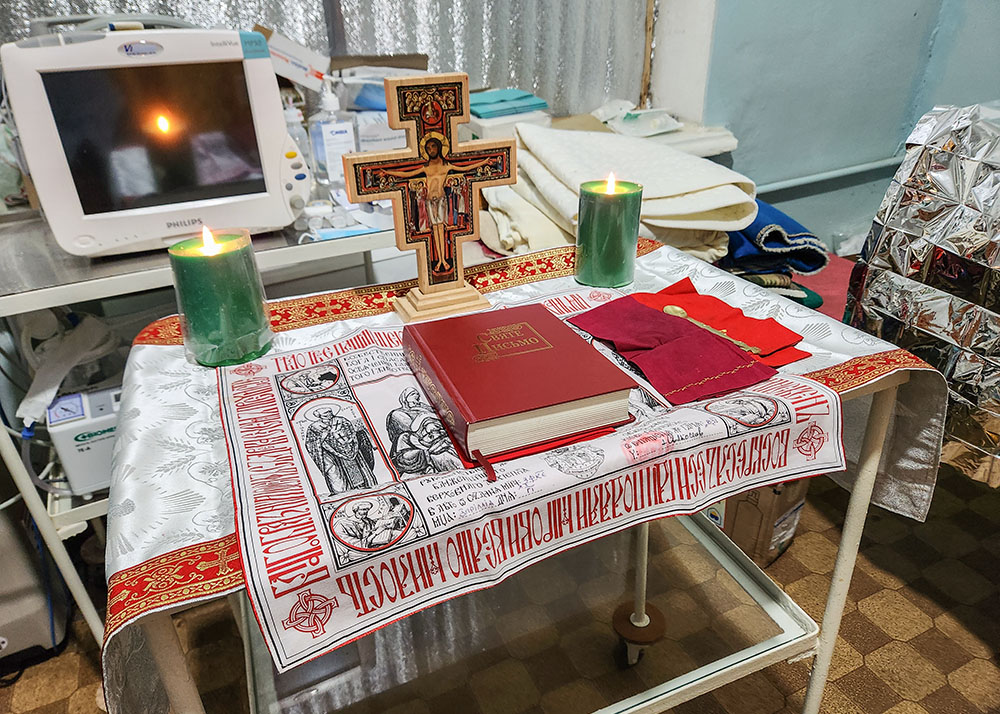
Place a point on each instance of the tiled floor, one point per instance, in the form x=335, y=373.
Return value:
x=65, y=684
x=921, y=631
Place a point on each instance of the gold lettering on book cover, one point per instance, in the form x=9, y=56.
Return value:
x=518, y=338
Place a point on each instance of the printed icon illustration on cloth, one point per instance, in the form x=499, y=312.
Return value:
x=683, y=361
x=342, y=462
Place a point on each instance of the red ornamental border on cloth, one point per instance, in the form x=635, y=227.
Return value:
x=212, y=569
x=856, y=372
x=192, y=573
x=294, y=313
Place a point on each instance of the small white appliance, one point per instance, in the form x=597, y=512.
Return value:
x=82, y=430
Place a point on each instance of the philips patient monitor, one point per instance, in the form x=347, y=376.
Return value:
x=136, y=138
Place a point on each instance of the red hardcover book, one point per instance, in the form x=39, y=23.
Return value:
x=507, y=379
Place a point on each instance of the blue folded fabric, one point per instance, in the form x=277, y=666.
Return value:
x=774, y=243
x=371, y=97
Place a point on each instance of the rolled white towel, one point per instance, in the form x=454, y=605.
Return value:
x=521, y=227
x=708, y=245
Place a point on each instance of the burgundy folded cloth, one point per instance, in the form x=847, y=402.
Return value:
x=682, y=361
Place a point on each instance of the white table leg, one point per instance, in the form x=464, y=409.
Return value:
x=369, y=268
x=165, y=647
x=639, y=618
x=638, y=623
x=237, y=610
x=98, y=525
x=850, y=539
x=52, y=540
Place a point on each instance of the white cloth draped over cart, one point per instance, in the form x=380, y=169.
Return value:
x=171, y=525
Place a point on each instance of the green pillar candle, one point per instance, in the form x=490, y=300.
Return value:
x=220, y=298
x=607, y=232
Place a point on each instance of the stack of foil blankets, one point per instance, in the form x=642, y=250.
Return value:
x=929, y=275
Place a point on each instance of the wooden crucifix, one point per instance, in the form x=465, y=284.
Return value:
x=434, y=186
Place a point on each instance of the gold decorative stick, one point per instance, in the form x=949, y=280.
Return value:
x=678, y=311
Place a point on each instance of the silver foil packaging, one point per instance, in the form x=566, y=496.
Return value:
x=929, y=275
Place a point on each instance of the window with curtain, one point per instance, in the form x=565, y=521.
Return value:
x=573, y=53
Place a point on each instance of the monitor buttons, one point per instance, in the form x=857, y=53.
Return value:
x=291, y=154
x=84, y=241
x=300, y=177
x=297, y=203
x=297, y=165
x=288, y=187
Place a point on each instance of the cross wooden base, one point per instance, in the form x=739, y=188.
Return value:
x=417, y=305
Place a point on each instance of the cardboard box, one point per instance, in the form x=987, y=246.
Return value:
x=410, y=61
x=580, y=122
x=762, y=522
x=374, y=133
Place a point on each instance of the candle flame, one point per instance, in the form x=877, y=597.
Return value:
x=208, y=244
x=611, y=183
x=163, y=124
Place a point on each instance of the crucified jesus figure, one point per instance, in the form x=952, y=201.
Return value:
x=436, y=171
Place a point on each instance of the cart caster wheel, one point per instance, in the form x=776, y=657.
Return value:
x=627, y=654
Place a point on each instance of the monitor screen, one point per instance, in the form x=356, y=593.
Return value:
x=153, y=135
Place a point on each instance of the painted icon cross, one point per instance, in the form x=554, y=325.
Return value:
x=433, y=183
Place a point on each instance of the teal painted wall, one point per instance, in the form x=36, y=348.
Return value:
x=808, y=87
x=964, y=64
x=811, y=86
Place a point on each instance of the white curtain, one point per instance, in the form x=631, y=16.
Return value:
x=304, y=20
x=573, y=53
